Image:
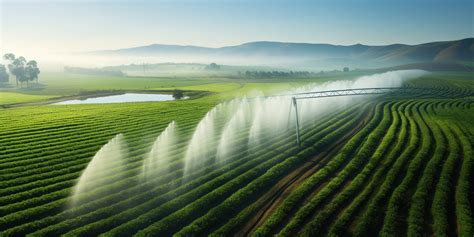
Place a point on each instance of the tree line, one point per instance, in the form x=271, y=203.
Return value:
x=94, y=71
x=23, y=70
x=212, y=66
x=275, y=74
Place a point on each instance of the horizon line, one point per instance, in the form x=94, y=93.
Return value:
x=270, y=41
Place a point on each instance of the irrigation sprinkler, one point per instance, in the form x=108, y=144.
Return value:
x=352, y=92
x=298, y=140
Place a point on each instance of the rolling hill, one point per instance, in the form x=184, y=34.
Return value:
x=305, y=54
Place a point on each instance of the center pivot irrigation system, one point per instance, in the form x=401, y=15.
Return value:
x=351, y=92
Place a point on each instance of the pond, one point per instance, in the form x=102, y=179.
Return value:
x=123, y=98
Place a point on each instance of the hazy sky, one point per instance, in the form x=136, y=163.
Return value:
x=37, y=26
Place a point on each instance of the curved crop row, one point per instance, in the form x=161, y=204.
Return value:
x=341, y=225
x=307, y=210
x=380, y=151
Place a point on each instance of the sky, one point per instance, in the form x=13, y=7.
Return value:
x=44, y=26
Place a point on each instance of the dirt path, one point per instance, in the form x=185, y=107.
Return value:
x=276, y=195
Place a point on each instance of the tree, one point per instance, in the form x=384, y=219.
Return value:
x=11, y=57
x=32, y=71
x=16, y=67
x=3, y=74
x=22, y=70
x=19, y=70
x=178, y=94
x=345, y=69
x=213, y=66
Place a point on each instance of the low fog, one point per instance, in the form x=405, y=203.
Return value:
x=57, y=61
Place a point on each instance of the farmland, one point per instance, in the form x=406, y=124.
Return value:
x=389, y=165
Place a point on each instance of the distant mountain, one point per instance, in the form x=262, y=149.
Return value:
x=288, y=54
x=157, y=49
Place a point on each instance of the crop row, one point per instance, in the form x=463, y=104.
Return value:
x=374, y=132
x=395, y=215
x=444, y=193
x=421, y=200
x=339, y=228
x=371, y=217
x=92, y=131
x=290, y=203
x=235, y=223
x=375, y=153
x=155, y=214
x=237, y=200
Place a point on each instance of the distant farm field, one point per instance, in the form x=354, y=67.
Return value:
x=391, y=165
x=64, y=83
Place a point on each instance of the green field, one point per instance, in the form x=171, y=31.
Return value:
x=57, y=85
x=14, y=97
x=391, y=165
x=66, y=84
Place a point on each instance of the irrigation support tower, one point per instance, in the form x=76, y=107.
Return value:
x=298, y=140
x=351, y=92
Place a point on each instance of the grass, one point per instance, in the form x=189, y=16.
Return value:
x=213, y=87
x=57, y=84
x=14, y=98
x=67, y=84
